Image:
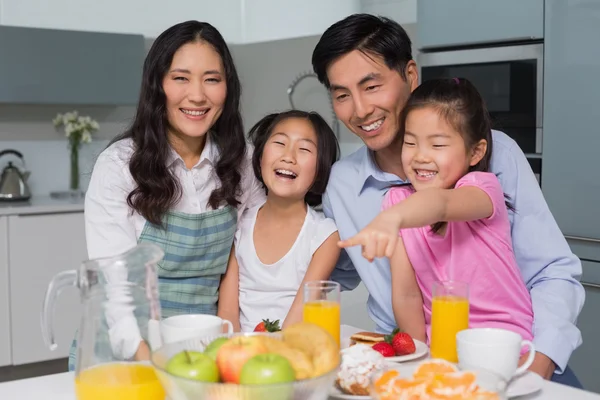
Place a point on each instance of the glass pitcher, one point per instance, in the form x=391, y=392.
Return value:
x=120, y=305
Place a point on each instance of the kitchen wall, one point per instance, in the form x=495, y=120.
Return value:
x=266, y=70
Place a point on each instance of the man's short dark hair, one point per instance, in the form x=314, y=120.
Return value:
x=370, y=34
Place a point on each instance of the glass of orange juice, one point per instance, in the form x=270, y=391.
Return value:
x=449, y=315
x=322, y=306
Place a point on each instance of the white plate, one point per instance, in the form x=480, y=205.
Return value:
x=528, y=383
x=337, y=394
x=421, y=349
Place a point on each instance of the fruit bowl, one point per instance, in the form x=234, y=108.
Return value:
x=415, y=382
x=179, y=388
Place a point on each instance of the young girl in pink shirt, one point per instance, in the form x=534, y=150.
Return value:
x=451, y=222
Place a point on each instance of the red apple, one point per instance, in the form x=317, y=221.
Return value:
x=232, y=356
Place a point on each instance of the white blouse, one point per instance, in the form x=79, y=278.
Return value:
x=113, y=228
x=110, y=226
x=268, y=291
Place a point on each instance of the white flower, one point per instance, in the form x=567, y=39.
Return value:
x=69, y=117
x=78, y=128
x=69, y=128
x=57, y=121
x=86, y=137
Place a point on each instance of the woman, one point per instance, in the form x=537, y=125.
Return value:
x=175, y=177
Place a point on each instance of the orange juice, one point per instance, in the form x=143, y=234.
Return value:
x=119, y=381
x=326, y=314
x=449, y=315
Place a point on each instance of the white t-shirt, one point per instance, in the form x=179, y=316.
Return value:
x=268, y=291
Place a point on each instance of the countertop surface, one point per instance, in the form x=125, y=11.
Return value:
x=42, y=205
x=61, y=387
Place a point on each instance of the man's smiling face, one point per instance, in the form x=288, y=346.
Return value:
x=368, y=97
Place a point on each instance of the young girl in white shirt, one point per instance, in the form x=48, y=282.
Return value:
x=284, y=242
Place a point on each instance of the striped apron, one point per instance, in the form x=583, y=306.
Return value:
x=196, y=248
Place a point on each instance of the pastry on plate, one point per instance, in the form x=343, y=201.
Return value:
x=358, y=363
x=368, y=338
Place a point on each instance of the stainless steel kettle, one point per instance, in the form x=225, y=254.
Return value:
x=13, y=183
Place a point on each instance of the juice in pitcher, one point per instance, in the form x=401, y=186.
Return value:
x=449, y=315
x=119, y=381
x=322, y=306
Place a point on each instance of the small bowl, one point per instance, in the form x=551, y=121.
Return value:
x=485, y=380
x=178, y=388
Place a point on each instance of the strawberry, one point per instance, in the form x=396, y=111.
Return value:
x=267, y=326
x=385, y=349
x=402, y=343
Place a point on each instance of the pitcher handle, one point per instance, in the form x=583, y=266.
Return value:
x=58, y=283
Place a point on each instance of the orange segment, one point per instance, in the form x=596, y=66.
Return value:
x=433, y=367
x=385, y=378
x=432, y=380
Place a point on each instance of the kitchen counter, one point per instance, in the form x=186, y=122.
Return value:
x=41, y=205
x=61, y=387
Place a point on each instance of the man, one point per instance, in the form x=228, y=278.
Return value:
x=366, y=63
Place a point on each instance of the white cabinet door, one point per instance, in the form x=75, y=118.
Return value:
x=40, y=247
x=147, y=17
x=5, y=356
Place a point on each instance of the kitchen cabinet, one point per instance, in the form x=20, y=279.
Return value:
x=51, y=66
x=239, y=21
x=5, y=352
x=41, y=246
x=571, y=137
x=402, y=11
x=444, y=23
x=585, y=360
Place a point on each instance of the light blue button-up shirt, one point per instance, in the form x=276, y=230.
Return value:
x=549, y=268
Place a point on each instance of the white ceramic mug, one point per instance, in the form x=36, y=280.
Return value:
x=493, y=349
x=183, y=327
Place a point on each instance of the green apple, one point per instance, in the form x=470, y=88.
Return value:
x=193, y=365
x=214, y=346
x=267, y=368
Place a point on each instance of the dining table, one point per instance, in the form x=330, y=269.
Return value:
x=60, y=386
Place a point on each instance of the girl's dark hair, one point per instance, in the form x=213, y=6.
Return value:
x=327, y=148
x=369, y=34
x=157, y=188
x=459, y=103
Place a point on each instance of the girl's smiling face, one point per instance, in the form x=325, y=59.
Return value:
x=289, y=161
x=434, y=154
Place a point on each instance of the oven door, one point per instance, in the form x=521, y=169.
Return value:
x=509, y=78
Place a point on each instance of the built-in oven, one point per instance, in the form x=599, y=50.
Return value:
x=510, y=79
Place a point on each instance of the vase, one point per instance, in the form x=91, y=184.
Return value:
x=74, y=181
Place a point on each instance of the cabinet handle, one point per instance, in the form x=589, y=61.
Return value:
x=591, y=285
x=582, y=239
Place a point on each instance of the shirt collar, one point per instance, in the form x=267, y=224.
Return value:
x=372, y=176
x=209, y=154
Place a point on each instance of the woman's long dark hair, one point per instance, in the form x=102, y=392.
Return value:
x=459, y=103
x=157, y=188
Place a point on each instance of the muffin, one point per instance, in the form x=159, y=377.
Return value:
x=358, y=363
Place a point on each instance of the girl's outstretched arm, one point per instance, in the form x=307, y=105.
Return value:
x=422, y=208
x=320, y=268
x=229, y=293
x=407, y=302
